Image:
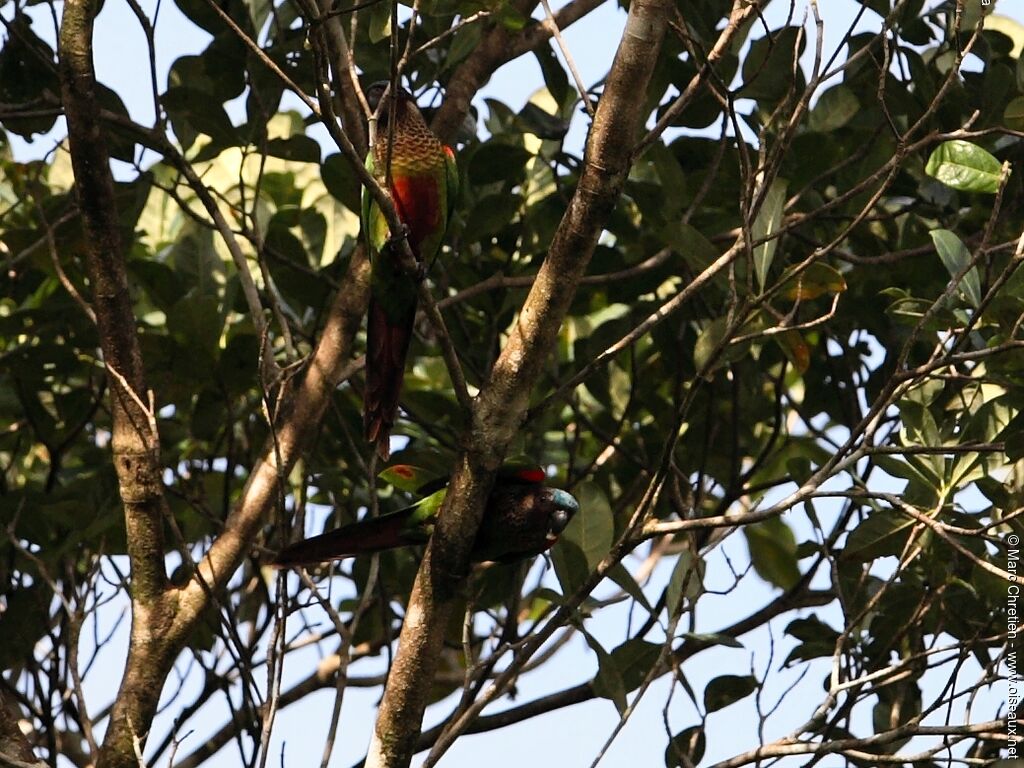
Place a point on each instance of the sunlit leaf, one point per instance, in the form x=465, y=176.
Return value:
x=773, y=551
x=964, y=166
x=766, y=225
x=955, y=257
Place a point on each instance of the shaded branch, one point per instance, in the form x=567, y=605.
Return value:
x=499, y=409
x=134, y=442
x=498, y=46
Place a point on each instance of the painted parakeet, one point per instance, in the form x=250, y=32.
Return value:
x=424, y=182
x=522, y=518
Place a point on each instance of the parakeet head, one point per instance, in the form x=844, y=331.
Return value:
x=564, y=506
x=375, y=93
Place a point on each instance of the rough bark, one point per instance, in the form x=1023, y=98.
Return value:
x=15, y=749
x=134, y=441
x=501, y=405
x=341, y=75
x=498, y=46
x=162, y=616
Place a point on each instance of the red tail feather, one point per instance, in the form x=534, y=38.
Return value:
x=387, y=344
x=359, y=538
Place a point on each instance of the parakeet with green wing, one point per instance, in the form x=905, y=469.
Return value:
x=423, y=182
x=523, y=518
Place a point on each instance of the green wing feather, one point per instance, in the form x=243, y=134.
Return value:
x=424, y=511
x=375, y=228
x=451, y=171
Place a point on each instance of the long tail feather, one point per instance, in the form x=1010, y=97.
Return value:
x=366, y=536
x=387, y=345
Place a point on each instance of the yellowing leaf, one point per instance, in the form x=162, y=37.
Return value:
x=1011, y=28
x=795, y=348
x=816, y=280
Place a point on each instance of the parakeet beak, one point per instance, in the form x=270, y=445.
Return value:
x=374, y=93
x=565, y=507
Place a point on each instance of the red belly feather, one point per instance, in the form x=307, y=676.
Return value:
x=416, y=198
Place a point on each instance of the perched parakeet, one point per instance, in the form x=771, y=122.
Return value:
x=522, y=518
x=423, y=184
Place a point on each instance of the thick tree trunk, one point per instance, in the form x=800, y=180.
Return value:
x=502, y=403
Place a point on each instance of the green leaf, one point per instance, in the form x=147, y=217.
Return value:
x=498, y=161
x=570, y=565
x=766, y=225
x=912, y=472
x=707, y=639
x=238, y=363
x=1014, y=446
x=299, y=148
x=625, y=580
x=202, y=14
x=380, y=22
x=490, y=215
x=728, y=689
x=120, y=141
x=687, y=580
x=542, y=124
x=835, y=108
x=1013, y=115
x=773, y=552
x=26, y=76
x=158, y=280
x=964, y=166
x=955, y=257
x=919, y=424
x=793, y=346
x=218, y=72
x=817, y=280
x=812, y=629
x=207, y=413
x=690, y=243
x=707, y=344
x=686, y=748
x=463, y=43
x=800, y=469
x=607, y=682
x=341, y=181
x=624, y=669
x=881, y=534
x=23, y=623
x=192, y=110
x=1012, y=28
x=592, y=531
x=196, y=323
x=554, y=74
x=635, y=659
x=768, y=65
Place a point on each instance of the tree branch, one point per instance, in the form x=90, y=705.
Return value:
x=499, y=409
x=15, y=750
x=135, y=442
x=497, y=47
